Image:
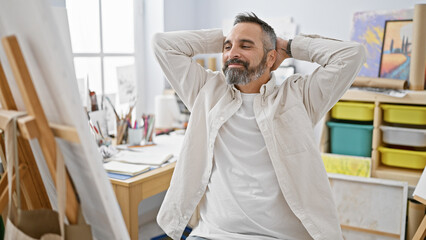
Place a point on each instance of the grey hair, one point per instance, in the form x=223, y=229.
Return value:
x=269, y=38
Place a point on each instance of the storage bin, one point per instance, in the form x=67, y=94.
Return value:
x=404, y=136
x=350, y=139
x=348, y=165
x=404, y=114
x=355, y=111
x=403, y=158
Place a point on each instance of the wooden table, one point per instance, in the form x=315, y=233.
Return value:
x=132, y=191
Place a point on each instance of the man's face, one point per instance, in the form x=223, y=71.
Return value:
x=243, y=57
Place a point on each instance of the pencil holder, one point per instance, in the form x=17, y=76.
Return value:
x=149, y=130
x=134, y=136
x=148, y=138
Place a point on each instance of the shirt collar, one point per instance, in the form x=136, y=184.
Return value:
x=267, y=88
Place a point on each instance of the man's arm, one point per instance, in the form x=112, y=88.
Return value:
x=339, y=63
x=174, y=52
x=282, y=53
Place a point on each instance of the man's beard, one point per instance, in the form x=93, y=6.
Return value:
x=243, y=76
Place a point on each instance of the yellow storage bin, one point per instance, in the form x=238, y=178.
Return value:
x=348, y=165
x=403, y=158
x=404, y=114
x=356, y=111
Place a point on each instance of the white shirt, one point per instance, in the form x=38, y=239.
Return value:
x=285, y=114
x=243, y=199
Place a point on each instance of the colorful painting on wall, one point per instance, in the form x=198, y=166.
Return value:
x=396, y=49
x=368, y=29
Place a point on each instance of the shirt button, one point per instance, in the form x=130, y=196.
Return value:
x=239, y=101
x=222, y=118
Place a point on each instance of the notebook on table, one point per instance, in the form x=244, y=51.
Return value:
x=125, y=168
x=155, y=158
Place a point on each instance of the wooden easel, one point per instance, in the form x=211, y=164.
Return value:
x=34, y=125
x=33, y=189
x=421, y=231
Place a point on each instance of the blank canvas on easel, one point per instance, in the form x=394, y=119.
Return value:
x=51, y=68
x=370, y=208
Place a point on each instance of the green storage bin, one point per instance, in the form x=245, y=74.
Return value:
x=350, y=139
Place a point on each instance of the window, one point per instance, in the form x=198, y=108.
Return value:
x=102, y=38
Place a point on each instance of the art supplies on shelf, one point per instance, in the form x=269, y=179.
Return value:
x=126, y=168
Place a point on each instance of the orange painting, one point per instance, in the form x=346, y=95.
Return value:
x=396, y=49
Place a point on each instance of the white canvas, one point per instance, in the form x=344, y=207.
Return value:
x=48, y=56
x=376, y=205
x=420, y=190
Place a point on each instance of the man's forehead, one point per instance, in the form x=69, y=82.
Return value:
x=245, y=31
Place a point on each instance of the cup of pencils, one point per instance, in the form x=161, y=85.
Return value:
x=134, y=136
x=100, y=136
x=148, y=122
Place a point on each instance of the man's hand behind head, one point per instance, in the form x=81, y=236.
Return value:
x=281, y=53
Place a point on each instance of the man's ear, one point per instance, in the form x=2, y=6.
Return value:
x=271, y=57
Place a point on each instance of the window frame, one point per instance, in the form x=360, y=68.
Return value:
x=101, y=55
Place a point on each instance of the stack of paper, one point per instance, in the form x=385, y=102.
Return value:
x=150, y=157
x=125, y=168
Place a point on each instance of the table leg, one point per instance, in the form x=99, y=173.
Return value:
x=421, y=231
x=123, y=198
x=129, y=209
x=134, y=220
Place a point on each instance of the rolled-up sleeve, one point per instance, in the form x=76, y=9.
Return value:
x=174, y=52
x=339, y=61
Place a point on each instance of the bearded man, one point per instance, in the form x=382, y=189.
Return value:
x=249, y=167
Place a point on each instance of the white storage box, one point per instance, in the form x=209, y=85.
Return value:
x=404, y=136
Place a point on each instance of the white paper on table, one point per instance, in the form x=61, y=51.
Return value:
x=126, y=168
x=142, y=157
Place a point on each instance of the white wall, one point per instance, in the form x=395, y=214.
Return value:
x=153, y=22
x=180, y=15
x=331, y=18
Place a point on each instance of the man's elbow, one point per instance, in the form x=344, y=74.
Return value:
x=359, y=53
x=158, y=40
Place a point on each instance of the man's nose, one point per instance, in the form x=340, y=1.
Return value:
x=234, y=53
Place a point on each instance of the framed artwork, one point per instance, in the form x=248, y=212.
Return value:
x=368, y=29
x=396, y=49
x=126, y=84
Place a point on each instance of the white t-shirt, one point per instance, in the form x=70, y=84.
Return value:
x=243, y=199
